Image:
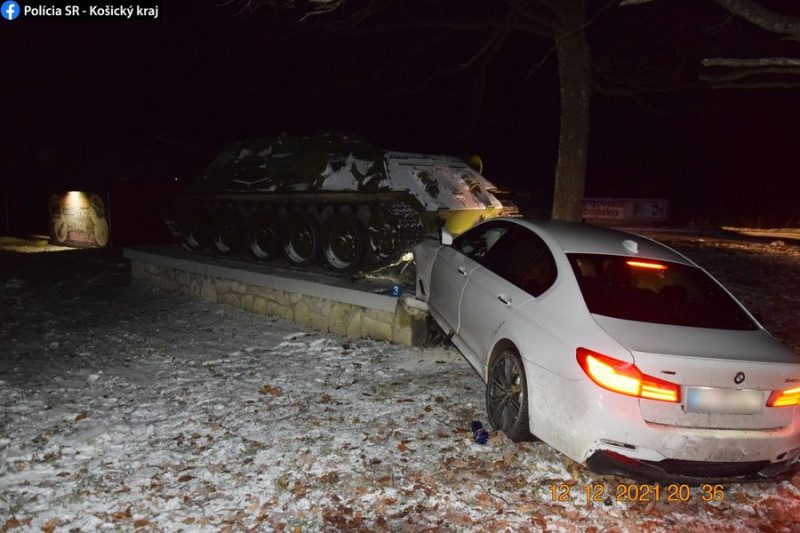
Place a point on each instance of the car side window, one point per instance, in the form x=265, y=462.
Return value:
x=541, y=275
x=477, y=242
x=525, y=261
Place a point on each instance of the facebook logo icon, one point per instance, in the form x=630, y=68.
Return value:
x=10, y=10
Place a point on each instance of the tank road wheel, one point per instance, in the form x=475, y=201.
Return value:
x=301, y=239
x=344, y=242
x=196, y=229
x=169, y=213
x=264, y=234
x=227, y=231
x=507, y=395
x=382, y=233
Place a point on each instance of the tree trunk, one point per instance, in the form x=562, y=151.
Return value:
x=574, y=69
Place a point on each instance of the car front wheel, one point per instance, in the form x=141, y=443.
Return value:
x=507, y=396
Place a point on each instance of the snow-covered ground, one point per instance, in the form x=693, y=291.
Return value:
x=122, y=408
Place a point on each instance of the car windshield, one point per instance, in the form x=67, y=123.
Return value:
x=656, y=291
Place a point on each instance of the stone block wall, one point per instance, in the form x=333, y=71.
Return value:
x=406, y=325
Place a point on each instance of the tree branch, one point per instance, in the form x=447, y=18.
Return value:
x=490, y=48
x=539, y=64
x=751, y=62
x=322, y=7
x=538, y=22
x=759, y=85
x=488, y=51
x=747, y=73
x=754, y=13
x=764, y=18
x=750, y=68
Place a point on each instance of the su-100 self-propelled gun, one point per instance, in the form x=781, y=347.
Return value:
x=327, y=197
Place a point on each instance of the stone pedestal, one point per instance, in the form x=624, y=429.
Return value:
x=315, y=300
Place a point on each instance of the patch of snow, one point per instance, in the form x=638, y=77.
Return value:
x=12, y=284
x=210, y=418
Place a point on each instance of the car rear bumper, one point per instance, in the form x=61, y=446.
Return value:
x=606, y=462
x=582, y=421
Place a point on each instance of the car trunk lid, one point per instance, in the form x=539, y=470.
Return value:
x=725, y=376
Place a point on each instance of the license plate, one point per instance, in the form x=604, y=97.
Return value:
x=724, y=401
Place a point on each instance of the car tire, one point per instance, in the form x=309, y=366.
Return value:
x=507, y=395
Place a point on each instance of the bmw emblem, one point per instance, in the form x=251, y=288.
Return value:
x=739, y=378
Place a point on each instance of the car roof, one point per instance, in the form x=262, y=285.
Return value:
x=583, y=238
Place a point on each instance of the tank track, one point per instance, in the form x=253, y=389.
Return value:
x=410, y=230
x=400, y=229
x=392, y=228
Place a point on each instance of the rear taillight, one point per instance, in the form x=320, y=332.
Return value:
x=783, y=398
x=626, y=378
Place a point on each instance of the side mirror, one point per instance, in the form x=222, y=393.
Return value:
x=446, y=237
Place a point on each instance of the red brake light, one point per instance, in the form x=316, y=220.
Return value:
x=783, y=398
x=658, y=389
x=625, y=378
x=610, y=373
x=645, y=264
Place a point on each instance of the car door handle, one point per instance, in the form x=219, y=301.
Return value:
x=506, y=299
x=462, y=271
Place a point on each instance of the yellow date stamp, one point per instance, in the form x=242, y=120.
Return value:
x=638, y=493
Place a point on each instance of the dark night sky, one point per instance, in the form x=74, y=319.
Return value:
x=88, y=102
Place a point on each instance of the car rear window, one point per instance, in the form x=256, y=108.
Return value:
x=656, y=291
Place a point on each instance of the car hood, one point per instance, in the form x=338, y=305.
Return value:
x=749, y=345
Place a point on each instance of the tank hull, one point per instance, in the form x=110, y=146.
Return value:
x=327, y=199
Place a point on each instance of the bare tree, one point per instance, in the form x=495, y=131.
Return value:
x=565, y=23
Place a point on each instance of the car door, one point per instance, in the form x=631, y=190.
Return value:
x=452, y=267
x=518, y=271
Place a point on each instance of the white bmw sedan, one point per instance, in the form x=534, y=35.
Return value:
x=615, y=350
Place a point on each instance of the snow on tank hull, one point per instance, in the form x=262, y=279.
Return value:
x=327, y=198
